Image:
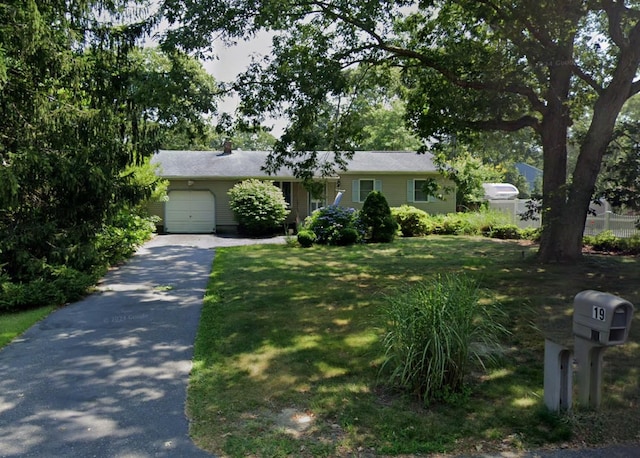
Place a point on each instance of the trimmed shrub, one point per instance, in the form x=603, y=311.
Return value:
x=608, y=242
x=506, y=231
x=306, y=238
x=329, y=223
x=531, y=233
x=633, y=244
x=435, y=331
x=459, y=224
x=348, y=236
x=376, y=218
x=259, y=207
x=413, y=222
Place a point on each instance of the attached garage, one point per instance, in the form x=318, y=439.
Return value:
x=190, y=212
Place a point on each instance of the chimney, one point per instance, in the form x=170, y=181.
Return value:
x=226, y=147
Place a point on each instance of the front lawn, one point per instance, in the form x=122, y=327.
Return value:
x=288, y=353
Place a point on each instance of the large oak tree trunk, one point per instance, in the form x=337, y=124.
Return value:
x=554, y=243
x=566, y=205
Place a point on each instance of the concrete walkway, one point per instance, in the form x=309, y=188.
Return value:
x=107, y=376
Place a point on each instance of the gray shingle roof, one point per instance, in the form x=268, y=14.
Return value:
x=391, y=162
x=248, y=164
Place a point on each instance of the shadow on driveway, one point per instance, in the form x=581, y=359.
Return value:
x=107, y=376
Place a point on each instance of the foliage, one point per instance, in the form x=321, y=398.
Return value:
x=259, y=207
x=69, y=279
x=376, y=218
x=466, y=66
x=608, y=242
x=119, y=240
x=315, y=188
x=605, y=241
x=306, y=238
x=82, y=109
x=468, y=173
x=55, y=286
x=620, y=180
x=531, y=233
x=414, y=222
x=504, y=148
x=411, y=220
x=171, y=97
x=349, y=236
x=333, y=225
x=454, y=224
x=436, y=331
x=506, y=231
x=384, y=129
x=257, y=139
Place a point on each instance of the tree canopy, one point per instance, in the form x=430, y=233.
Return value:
x=466, y=66
x=81, y=104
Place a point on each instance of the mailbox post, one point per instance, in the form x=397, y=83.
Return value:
x=600, y=320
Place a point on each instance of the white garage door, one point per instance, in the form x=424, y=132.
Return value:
x=190, y=212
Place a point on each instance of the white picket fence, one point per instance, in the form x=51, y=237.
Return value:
x=620, y=225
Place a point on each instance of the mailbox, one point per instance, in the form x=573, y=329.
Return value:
x=601, y=318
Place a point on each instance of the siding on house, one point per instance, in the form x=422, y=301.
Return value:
x=394, y=189
x=225, y=220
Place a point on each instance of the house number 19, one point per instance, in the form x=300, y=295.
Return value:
x=599, y=313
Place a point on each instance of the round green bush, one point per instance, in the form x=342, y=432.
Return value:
x=306, y=238
x=258, y=206
x=413, y=222
x=531, y=233
x=348, y=236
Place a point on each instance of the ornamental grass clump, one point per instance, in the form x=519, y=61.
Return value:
x=437, y=332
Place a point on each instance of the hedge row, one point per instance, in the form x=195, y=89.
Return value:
x=414, y=222
x=340, y=226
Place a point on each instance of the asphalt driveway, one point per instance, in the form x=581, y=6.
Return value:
x=107, y=376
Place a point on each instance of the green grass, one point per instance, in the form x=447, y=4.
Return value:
x=14, y=324
x=296, y=334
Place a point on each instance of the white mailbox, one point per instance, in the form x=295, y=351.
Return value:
x=601, y=318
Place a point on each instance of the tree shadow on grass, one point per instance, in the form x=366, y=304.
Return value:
x=301, y=327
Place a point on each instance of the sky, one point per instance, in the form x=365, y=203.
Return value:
x=231, y=61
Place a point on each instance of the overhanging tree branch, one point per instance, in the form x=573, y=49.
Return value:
x=381, y=44
x=453, y=78
x=506, y=125
x=614, y=10
x=587, y=79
